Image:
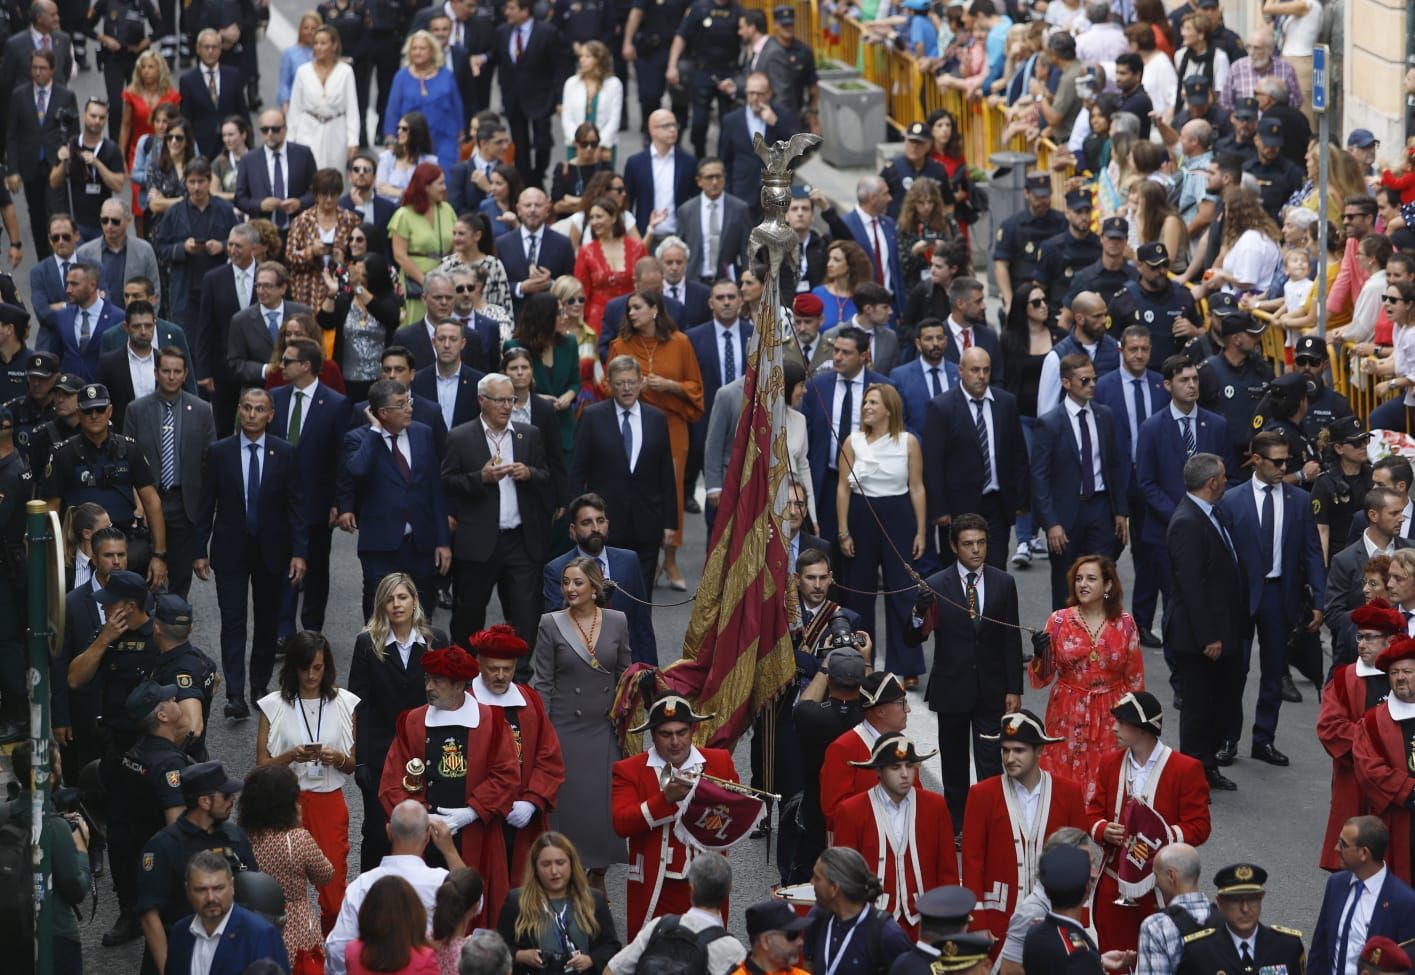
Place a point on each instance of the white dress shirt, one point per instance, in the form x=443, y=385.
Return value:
x=873, y=227
x=142, y=372
x=424, y=879
x=503, y=444
x=244, y=282
x=723, y=332
x=204, y=945
x=1073, y=413
x=305, y=403
x=405, y=447
x=665, y=170
x=857, y=394
x=457, y=30
x=1140, y=774
x=992, y=484
x=284, y=151
x=83, y=569
x=1370, y=890
x=1251, y=942
x=957, y=332
x=678, y=292
x=636, y=424
x=405, y=650
x=896, y=816
x=707, y=268
x=95, y=310
x=1128, y=384
x=247, y=458
x=1028, y=801
x=925, y=368
x=1372, y=549
x=447, y=393
x=1277, y=521
x=963, y=584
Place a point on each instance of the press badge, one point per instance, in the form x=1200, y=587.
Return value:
x=93, y=189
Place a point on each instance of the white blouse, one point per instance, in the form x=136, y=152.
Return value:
x=302, y=722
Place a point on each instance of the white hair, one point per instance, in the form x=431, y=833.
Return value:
x=484, y=383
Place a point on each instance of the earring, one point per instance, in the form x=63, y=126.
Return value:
x=1107, y=594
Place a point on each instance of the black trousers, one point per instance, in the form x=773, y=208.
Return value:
x=386, y=61
x=533, y=144
x=513, y=574
x=956, y=731
x=315, y=587
x=124, y=845
x=704, y=88
x=37, y=199
x=245, y=574
x=406, y=558
x=1213, y=692
x=181, y=543
x=648, y=566
x=373, y=840
x=1093, y=533
x=363, y=82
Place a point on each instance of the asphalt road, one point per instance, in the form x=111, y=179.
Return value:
x=1275, y=819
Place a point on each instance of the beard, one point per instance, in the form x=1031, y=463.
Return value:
x=593, y=543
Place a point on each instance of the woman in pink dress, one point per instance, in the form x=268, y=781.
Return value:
x=605, y=266
x=1095, y=659
x=151, y=86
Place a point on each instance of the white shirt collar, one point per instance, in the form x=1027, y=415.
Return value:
x=309, y=391
x=1375, y=881
x=199, y=930
x=1364, y=669
x=246, y=443
x=134, y=357
x=1178, y=414
x=1073, y=408
x=513, y=698
x=632, y=410
x=466, y=716
x=963, y=575
x=695, y=759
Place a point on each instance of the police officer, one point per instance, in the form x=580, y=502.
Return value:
x=1075, y=248
x=583, y=20
x=648, y=34
x=121, y=29
x=14, y=329
x=1281, y=410
x=107, y=468
x=1017, y=255
x=943, y=915
x=958, y=953
x=15, y=490
x=1340, y=489
x=1058, y=943
x=791, y=65
x=1325, y=404
x=709, y=30
x=63, y=424
x=1235, y=945
x=210, y=795
x=916, y=160
x=1112, y=271
x=118, y=659
x=1199, y=348
x=1231, y=381
x=1199, y=103
x=184, y=667
x=153, y=766
x=1155, y=301
x=33, y=408
x=1244, y=122
x=1278, y=177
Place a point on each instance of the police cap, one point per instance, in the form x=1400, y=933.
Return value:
x=42, y=365
x=1270, y=131
x=1153, y=254
x=70, y=382
x=145, y=698
x=172, y=608
x=1064, y=869
x=1240, y=879
x=122, y=586
x=1116, y=227
x=1246, y=109
x=94, y=396
x=946, y=903
x=1311, y=347
x=207, y=777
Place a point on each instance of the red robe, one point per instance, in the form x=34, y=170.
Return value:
x=990, y=854
x=1181, y=797
x=928, y=859
x=492, y=780
x=542, y=769
x=1383, y=775
x=658, y=860
x=840, y=780
x=1343, y=703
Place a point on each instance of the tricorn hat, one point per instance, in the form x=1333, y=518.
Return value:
x=1023, y=726
x=892, y=750
x=662, y=709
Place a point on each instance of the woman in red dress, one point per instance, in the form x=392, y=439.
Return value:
x=150, y=87
x=605, y=266
x=1095, y=659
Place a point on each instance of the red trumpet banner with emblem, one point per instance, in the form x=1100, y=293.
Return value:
x=1146, y=833
x=715, y=818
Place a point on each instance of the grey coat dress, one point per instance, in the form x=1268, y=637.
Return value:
x=578, y=696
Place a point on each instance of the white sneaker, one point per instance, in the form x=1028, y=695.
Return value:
x=1039, y=547
x=1023, y=558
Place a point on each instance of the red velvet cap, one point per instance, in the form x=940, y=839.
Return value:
x=499, y=642
x=453, y=663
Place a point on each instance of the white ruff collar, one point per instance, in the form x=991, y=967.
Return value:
x=513, y=698
x=466, y=716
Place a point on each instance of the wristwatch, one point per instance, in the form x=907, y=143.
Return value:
x=160, y=555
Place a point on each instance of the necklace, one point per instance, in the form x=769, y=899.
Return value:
x=498, y=439
x=1094, y=634
x=589, y=637
x=649, y=347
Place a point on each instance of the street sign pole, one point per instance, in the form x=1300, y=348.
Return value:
x=1319, y=105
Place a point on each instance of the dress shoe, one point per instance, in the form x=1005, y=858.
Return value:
x=1219, y=781
x=1269, y=753
x=1290, y=693
x=237, y=710
x=692, y=507
x=444, y=598
x=762, y=831
x=1148, y=639
x=911, y=683
x=1225, y=755
x=125, y=929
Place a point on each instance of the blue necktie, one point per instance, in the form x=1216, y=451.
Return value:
x=628, y=432
x=1345, y=935
x=1265, y=530
x=934, y=383
x=729, y=358
x=1190, y=444
x=253, y=491
x=272, y=319
x=1088, y=466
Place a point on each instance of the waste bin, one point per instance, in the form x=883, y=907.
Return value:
x=1008, y=183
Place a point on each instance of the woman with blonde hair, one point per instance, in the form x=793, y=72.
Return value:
x=592, y=94
x=424, y=83
x=884, y=463
x=387, y=677
x=324, y=107
x=296, y=56
x=925, y=218
x=151, y=86
x=571, y=294
x=556, y=914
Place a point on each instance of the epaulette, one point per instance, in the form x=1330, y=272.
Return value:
x=1202, y=933
x=1292, y=931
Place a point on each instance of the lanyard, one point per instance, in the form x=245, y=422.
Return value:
x=318, y=721
x=831, y=966
x=562, y=928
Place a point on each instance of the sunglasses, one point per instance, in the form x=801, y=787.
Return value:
x=60, y=238
x=1303, y=360
x=91, y=410
x=466, y=289
x=1390, y=299
x=361, y=170
x=271, y=129
x=358, y=238
x=176, y=137
x=287, y=361
x=617, y=189
x=588, y=145
x=1086, y=380
x=1037, y=303
x=577, y=300
x=111, y=221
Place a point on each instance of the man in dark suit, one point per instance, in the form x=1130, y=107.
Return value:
x=178, y=460
x=1388, y=902
x=1384, y=511
x=623, y=455
x=254, y=329
x=393, y=496
x=483, y=334
x=253, y=523
x=211, y=91
x=976, y=675
x=362, y=198
x=1394, y=472
x=720, y=345
x=832, y=409
x=137, y=290
x=807, y=270
x=967, y=325
x=48, y=277
x=639, y=186
x=246, y=937
x=41, y=33
x=33, y=139
x=870, y=226
x=470, y=181
x=528, y=57
x=274, y=180
x=313, y=419
x=674, y=257
x=1134, y=393
x=396, y=363
x=534, y=255
x=648, y=276
x=449, y=382
x=498, y=487
x=1205, y=625
x=83, y=321
x=1078, y=476
x=439, y=296
x=763, y=116
x=925, y=377
x=722, y=253
x=225, y=291
x=130, y=371
x=975, y=455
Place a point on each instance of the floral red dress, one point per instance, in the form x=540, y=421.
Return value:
x=1090, y=678
x=603, y=284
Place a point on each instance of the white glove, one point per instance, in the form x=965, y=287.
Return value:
x=457, y=818
x=521, y=813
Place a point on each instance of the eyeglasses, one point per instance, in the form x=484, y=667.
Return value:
x=271, y=129
x=111, y=221
x=358, y=239
x=500, y=400
x=60, y=238
x=267, y=284
x=361, y=170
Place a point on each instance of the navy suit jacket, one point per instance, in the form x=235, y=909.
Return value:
x=739, y=158
x=467, y=407
x=384, y=502
x=614, y=318
x=320, y=449
x=820, y=427
x=205, y=117
x=1056, y=467
x=248, y=938
x=706, y=348
x=897, y=284
x=221, y=527
x=415, y=339
x=640, y=503
x=985, y=338
x=1114, y=390
x=624, y=570
x=1393, y=916
x=84, y=363
x=47, y=288
x=383, y=208
x=953, y=462
x=253, y=180
x=1301, y=546
x=556, y=254
x=424, y=412
x=915, y=391
x=638, y=183
x=1159, y=463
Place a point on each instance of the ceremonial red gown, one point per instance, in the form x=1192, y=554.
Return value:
x=1181, y=797
x=1343, y=704
x=929, y=857
x=1383, y=776
x=840, y=780
x=658, y=860
x=542, y=772
x=990, y=854
x=492, y=780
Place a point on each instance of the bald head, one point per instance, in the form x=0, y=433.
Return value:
x=976, y=356
x=663, y=128
x=1087, y=303
x=1196, y=137
x=1177, y=870
x=407, y=828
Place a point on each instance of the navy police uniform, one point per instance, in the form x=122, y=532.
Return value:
x=12, y=371
x=1326, y=405
x=900, y=174
x=15, y=490
x=186, y=668
x=1279, y=179
x=152, y=768
x=580, y=21
x=709, y=32
x=1065, y=254
x=661, y=20
x=1267, y=949
x=106, y=473
x=26, y=411
x=1233, y=391
x=1020, y=238
x=1058, y=944
x=1157, y=311
x=126, y=22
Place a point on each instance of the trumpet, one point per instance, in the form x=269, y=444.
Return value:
x=668, y=774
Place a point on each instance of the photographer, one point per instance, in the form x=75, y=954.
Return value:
x=64, y=845
x=91, y=165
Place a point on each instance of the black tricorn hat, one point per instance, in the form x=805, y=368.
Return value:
x=661, y=709
x=892, y=750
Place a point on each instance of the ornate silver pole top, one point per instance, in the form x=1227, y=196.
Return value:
x=780, y=160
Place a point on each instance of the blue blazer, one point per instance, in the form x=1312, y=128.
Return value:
x=706, y=348
x=613, y=318
x=1159, y=464
x=1056, y=467
x=624, y=570
x=47, y=288
x=1114, y=390
x=914, y=390
x=897, y=283
x=248, y=938
x=638, y=183
x=424, y=412
x=221, y=526
x=1393, y=916
x=820, y=395
x=1301, y=546
x=319, y=451
x=84, y=363
x=467, y=407
x=376, y=492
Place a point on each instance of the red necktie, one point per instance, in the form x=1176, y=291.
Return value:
x=879, y=253
x=967, y=338
x=44, y=42
x=400, y=461
x=520, y=45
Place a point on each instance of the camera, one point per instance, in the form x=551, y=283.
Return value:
x=840, y=634
x=68, y=120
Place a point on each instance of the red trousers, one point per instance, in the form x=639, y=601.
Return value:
x=326, y=816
